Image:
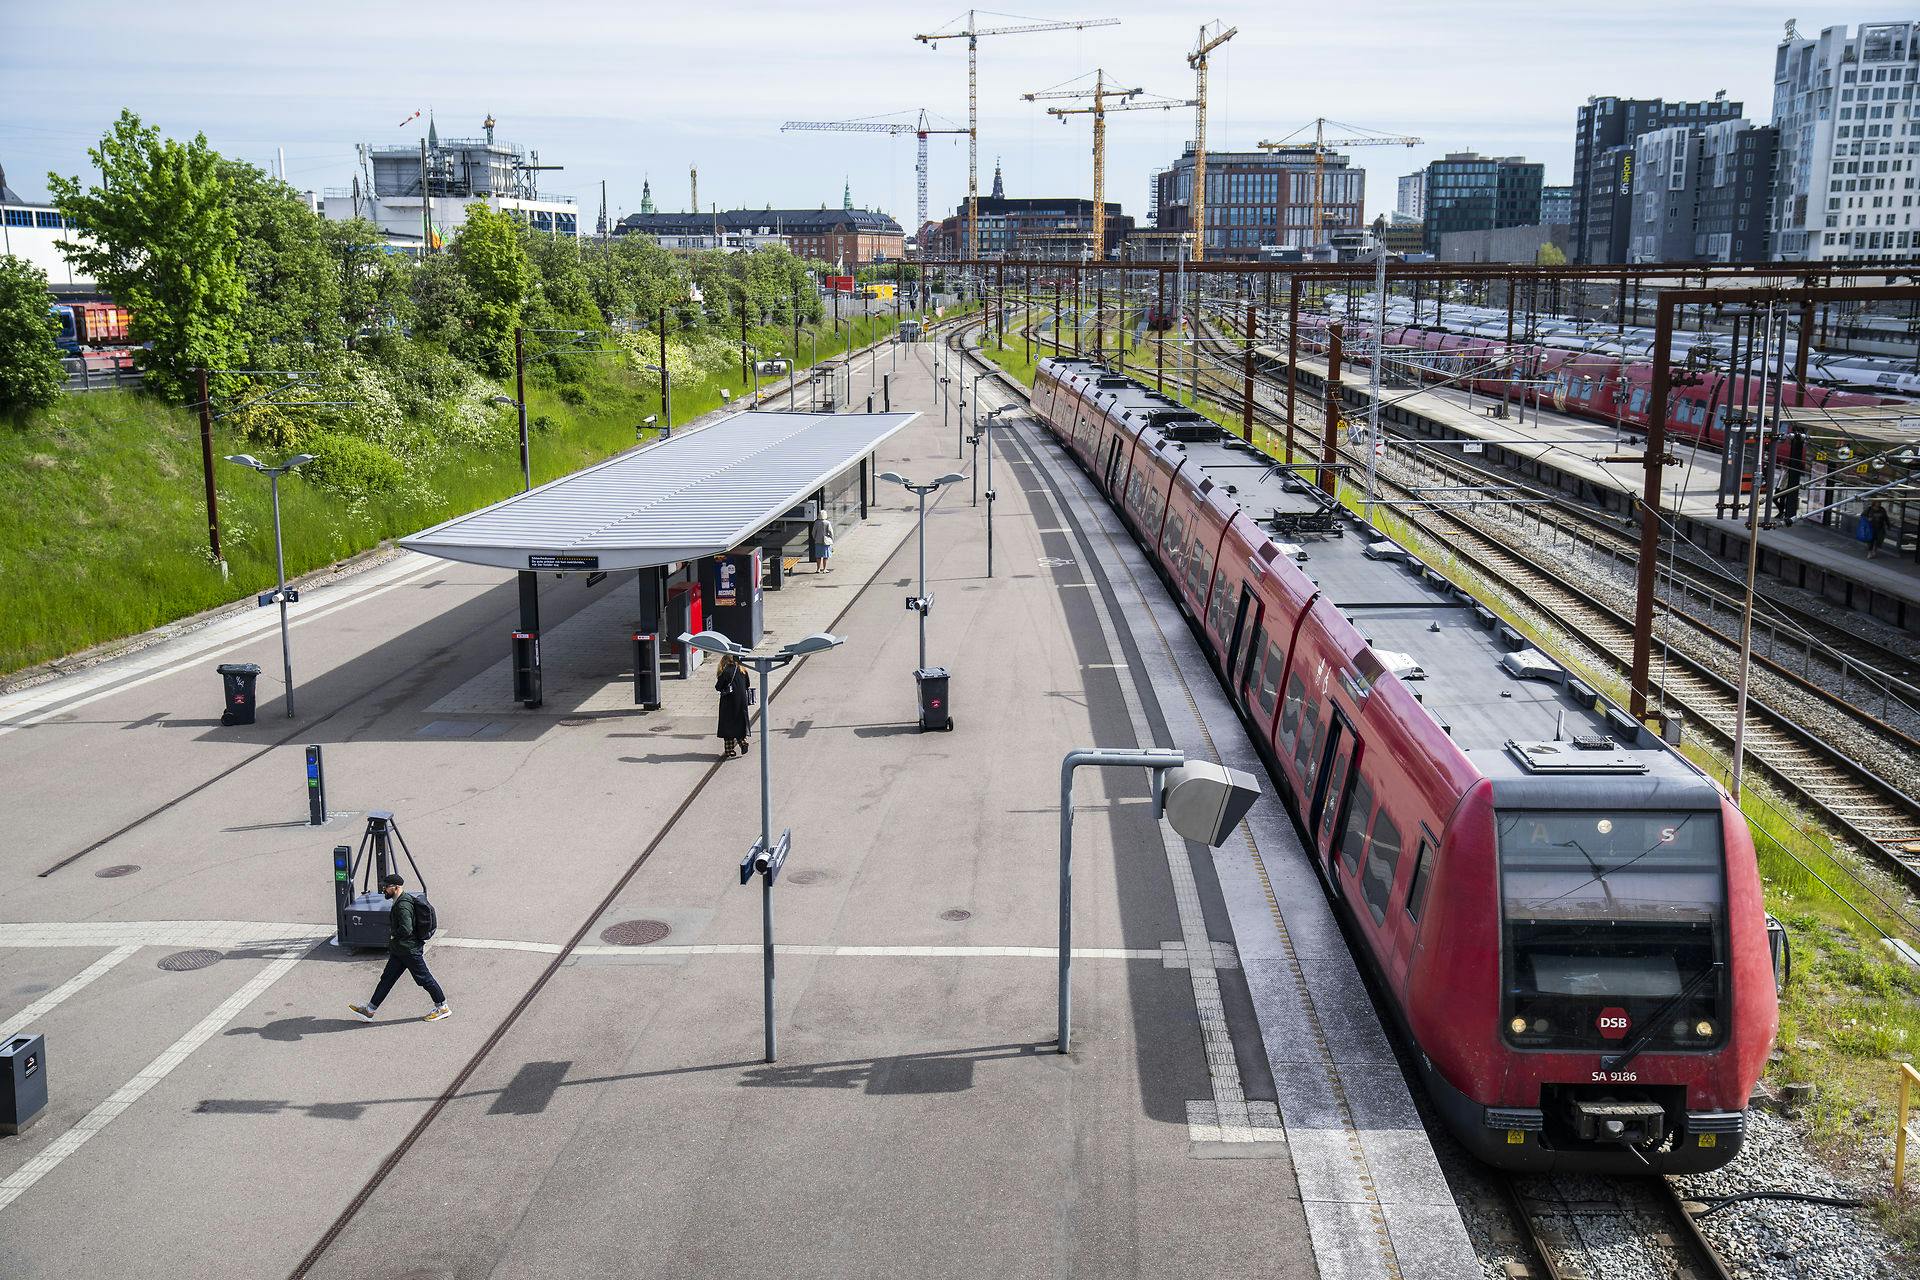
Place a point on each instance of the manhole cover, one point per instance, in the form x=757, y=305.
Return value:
x=635, y=933
x=114, y=873
x=810, y=876
x=956, y=914
x=188, y=961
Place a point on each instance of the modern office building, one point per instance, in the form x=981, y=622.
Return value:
x=846, y=238
x=1413, y=195
x=1556, y=206
x=1700, y=193
x=1469, y=192
x=1037, y=228
x=1605, y=132
x=1259, y=199
x=418, y=193
x=1848, y=144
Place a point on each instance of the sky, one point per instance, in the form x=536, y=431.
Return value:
x=624, y=93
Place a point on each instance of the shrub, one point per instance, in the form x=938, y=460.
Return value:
x=351, y=466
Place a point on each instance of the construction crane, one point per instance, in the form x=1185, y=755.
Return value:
x=971, y=34
x=1205, y=45
x=1322, y=144
x=1104, y=100
x=920, y=128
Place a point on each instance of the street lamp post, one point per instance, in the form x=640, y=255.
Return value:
x=1201, y=801
x=279, y=595
x=922, y=604
x=765, y=857
x=991, y=421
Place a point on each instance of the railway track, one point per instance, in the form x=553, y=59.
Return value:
x=1589, y=1228
x=1860, y=803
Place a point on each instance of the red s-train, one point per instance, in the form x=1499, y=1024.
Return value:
x=1582, y=384
x=1564, y=914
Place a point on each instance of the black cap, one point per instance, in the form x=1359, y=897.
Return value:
x=392, y=877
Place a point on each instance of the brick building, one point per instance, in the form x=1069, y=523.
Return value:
x=839, y=237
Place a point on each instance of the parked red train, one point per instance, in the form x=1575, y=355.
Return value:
x=1583, y=384
x=1563, y=914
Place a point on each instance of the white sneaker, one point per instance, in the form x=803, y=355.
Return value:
x=439, y=1012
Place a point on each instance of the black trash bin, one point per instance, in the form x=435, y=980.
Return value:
x=935, y=713
x=238, y=679
x=23, y=1082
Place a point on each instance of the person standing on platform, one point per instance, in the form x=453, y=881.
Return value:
x=406, y=951
x=1876, y=520
x=736, y=695
x=822, y=539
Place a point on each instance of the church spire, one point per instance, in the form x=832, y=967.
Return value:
x=999, y=188
x=646, y=195
x=433, y=134
x=846, y=196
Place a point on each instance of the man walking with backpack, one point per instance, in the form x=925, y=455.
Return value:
x=413, y=924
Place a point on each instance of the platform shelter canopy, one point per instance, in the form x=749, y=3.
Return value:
x=700, y=493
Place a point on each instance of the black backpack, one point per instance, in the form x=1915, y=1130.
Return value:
x=425, y=922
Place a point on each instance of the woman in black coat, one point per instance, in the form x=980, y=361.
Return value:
x=735, y=694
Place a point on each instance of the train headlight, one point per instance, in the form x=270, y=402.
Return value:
x=1604, y=826
x=1518, y=1026
x=1703, y=1029
x=1541, y=1026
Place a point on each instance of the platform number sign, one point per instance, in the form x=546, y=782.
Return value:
x=1613, y=1022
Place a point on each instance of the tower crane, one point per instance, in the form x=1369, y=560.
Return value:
x=1104, y=100
x=919, y=128
x=1322, y=144
x=1205, y=45
x=971, y=33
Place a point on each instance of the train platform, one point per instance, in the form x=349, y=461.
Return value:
x=598, y=1104
x=1568, y=453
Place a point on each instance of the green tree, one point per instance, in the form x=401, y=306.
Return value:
x=31, y=374
x=1550, y=256
x=375, y=284
x=293, y=289
x=445, y=303
x=161, y=239
x=493, y=261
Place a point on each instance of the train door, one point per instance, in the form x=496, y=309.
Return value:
x=1249, y=642
x=1405, y=920
x=1336, y=759
x=1113, y=465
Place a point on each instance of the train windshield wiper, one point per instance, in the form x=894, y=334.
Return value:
x=1651, y=1022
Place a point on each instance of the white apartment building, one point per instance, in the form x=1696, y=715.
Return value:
x=1847, y=181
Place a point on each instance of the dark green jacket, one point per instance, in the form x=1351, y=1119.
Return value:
x=403, y=941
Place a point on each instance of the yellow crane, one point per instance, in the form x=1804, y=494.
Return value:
x=1104, y=100
x=1205, y=45
x=1320, y=145
x=971, y=34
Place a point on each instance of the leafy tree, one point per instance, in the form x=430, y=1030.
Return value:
x=162, y=240
x=374, y=283
x=493, y=261
x=1550, y=256
x=293, y=291
x=445, y=303
x=31, y=374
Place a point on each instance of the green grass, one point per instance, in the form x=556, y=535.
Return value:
x=103, y=529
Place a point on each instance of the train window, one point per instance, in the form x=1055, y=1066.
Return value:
x=1304, y=756
x=1269, y=690
x=1612, y=914
x=1383, y=859
x=1353, y=836
x=1290, y=711
x=1220, y=609
x=1422, y=877
x=1637, y=403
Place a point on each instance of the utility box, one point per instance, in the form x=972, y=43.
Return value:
x=237, y=683
x=23, y=1082
x=362, y=921
x=935, y=713
x=526, y=668
x=732, y=583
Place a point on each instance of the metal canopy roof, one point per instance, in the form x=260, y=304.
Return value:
x=698, y=494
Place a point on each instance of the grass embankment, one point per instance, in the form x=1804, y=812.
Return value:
x=103, y=530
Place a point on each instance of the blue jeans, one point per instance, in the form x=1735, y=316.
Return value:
x=415, y=961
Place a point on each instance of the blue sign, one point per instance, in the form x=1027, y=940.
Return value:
x=758, y=859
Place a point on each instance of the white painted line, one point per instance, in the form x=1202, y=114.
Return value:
x=50, y=1001
x=43, y=701
x=135, y=1089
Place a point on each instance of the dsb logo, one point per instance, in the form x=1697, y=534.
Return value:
x=1613, y=1022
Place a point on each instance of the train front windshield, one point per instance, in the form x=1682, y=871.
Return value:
x=1613, y=923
